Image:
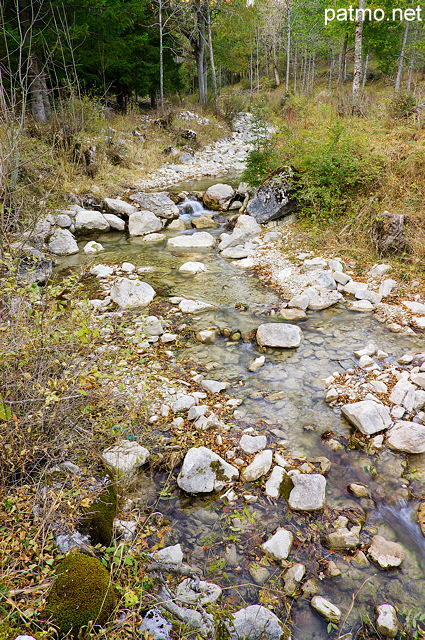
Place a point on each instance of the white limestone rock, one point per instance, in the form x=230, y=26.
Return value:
x=62, y=243
x=204, y=471
x=308, y=493
x=195, y=306
x=379, y=269
x=86, y=221
x=101, y=271
x=197, y=592
x=407, y=436
x=326, y=609
x=141, y=223
x=170, y=555
x=255, y=623
x=278, y=334
x=252, y=444
x=114, y=221
x=256, y=364
x=200, y=240
x=114, y=205
x=158, y=203
x=367, y=416
x=258, y=467
x=192, y=268
x=279, y=545
x=387, y=623
x=319, y=299
x=385, y=553
x=126, y=457
x=218, y=197
x=414, y=307
x=92, y=247
x=274, y=482
x=129, y=294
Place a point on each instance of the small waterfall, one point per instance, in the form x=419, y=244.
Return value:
x=191, y=208
x=401, y=518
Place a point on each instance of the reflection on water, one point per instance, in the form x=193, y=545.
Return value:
x=284, y=399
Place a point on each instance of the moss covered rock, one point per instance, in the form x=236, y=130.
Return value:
x=82, y=592
x=97, y=520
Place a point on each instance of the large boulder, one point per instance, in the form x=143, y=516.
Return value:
x=62, y=243
x=142, y=223
x=274, y=198
x=278, y=334
x=86, y=221
x=158, y=203
x=256, y=623
x=407, y=436
x=204, y=471
x=201, y=240
x=129, y=294
x=368, y=416
x=218, y=197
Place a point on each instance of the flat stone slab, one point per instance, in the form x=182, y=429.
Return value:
x=367, y=416
x=279, y=334
x=195, y=306
x=129, y=294
x=308, y=493
x=200, y=240
x=385, y=553
x=407, y=436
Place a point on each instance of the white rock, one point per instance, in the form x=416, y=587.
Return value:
x=386, y=553
x=369, y=417
x=192, y=267
x=378, y=386
x=90, y=221
x=129, y=294
x=156, y=626
x=245, y=229
x=114, y=221
x=170, y=555
x=245, y=263
x=256, y=364
x=128, y=267
x=368, y=350
x=126, y=528
x=279, y=545
x=200, y=240
x=386, y=621
x=252, y=444
x=360, y=305
x=415, y=307
x=141, y=223
x=183, y=403
x=177, y=225
x=407, y=436
x=206, y=336
x=62, y=243
x=236, y=253
x=92, y=247
x=379, y=269
x=190, y=591
x=292, y=578
x=101, y=271
x=325, y=280
x=308, y=493
x=299, y=301
x=341, y=278
x=313, y=264
x=387, y=286
x=418, y=379
x=195, y=306
x=278, y=334
x=419, y=401
x=152, y=326
x=196, y=411
x=158, y=203
x=272, y=487
x=367, y=294
x=154, y=237
x=218, y=196
x=326, y=609
x=256, y=623
x=119, y=206
x=126, y=457
x=213, y=386
x=204, y=471
x=420, y=321
x=321, y=299
x=352, y=287
x=335, y=265
x=258, y=467
x=366, y=362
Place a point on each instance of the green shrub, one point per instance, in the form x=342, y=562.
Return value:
x=262, y=160
x=81, y=593
x=403, y=105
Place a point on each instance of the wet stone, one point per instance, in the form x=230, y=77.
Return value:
x=308, y=493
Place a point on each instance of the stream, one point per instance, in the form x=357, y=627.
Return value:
x=285, y=401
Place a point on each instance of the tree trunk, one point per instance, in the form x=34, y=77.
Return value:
x=357, y=73
x=295, y=69
x=399, y=76
x=201, y=56
x=342, y=59
x=366, y=62
x=212, y=63
x=161, y=59
x=331, y=69
x=38, y=90
x=288, y=43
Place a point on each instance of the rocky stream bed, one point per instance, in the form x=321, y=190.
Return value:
x=302, y=503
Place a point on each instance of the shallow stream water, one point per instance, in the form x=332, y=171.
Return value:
x=285, y=401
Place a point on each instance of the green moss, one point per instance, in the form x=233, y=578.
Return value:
x=10, y=633
x=97, y=520
x=81, y=592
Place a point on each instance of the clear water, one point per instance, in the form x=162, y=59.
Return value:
x=223, y=539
